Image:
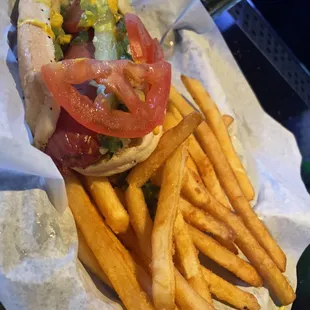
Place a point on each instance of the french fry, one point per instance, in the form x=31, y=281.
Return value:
x=191, y=165
x=121, y=196
x=199, y=196
x=108, y=203
x=130, y=241
x=87, y=257
x=200, y=159
x=209, y=247
x=157, y=177
x=214, y=119
x=206, y=171
x=188, y=258
x=204, y=221
x=229, y=182
x=140, y=218
x=169, y=121
x=172, y=109
x=89, y=260
x=169, y=141
x=143, y=277
x=201, y=219
x=227, y=120
x=229, y=293
x=186, y=296
x=112, y=257
x=227, y=244
x=162, y=263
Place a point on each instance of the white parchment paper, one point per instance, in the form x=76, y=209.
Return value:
x=38, y=245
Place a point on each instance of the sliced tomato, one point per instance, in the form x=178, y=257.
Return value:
x=72, y=17
x=143, y=48
x=117, y=76
x=158, y=51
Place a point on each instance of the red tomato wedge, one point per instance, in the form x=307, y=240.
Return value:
x=143, y=48
x=117, y=77
x=158, y=51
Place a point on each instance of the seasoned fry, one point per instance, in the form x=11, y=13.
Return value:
x=108, y=203
x=228, y=180
x=214, y=119
x=170, y=140
x=87, y=257
x=172, y=109
x=162, y=264
x=121, y=196
x=227, y=120
x=112, y=257
x=206, y=171
x=209, y=247
x=130, y=241
x=140, y=218
x=169, y=121
x=143, y=278
x=191, y=165
x=198, y=195
x=204, y=221
x=157, y=176
x=186, y=297
x=229, y=293
x=203, y=163
x=227, y=244
x=188, y=258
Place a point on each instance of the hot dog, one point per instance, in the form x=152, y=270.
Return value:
x=95, y=84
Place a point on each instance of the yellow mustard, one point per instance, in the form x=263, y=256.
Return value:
x=77, y=60
x=47, y=29
x=46, y=2
x=56, y=23
x=156, y=131
x=56, y=19
x=64, y=39
x=113, y=6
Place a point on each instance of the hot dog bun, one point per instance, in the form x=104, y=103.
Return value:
x=35, y=49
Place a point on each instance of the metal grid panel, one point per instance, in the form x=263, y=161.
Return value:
x=278, y=54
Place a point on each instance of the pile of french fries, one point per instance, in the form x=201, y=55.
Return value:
x=203, y=206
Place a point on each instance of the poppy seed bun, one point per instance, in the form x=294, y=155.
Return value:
x=35, y=49
x=125, y=159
